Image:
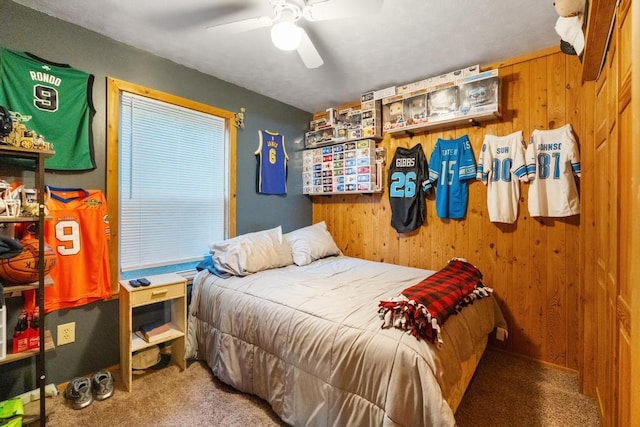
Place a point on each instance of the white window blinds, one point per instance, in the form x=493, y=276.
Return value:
x=173, y=183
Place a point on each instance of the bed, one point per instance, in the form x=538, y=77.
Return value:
x=306, y=336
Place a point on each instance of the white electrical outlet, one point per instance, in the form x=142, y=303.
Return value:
x=66, y=333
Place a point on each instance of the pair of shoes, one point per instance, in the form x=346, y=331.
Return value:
x=78, y=391
x=102, y=384
x=81, y=390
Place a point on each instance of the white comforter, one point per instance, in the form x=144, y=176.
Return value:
x=308, y=340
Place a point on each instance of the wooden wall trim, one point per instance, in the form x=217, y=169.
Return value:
x=599, y=20
x=114, y=88
x=523, y=58
x=588, y=244
x=634, y=233
x=112, y=186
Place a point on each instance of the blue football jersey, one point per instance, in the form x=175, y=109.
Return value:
x=451, y=165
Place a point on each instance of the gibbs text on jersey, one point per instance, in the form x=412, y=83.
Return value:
x=501, y=167
x=408, y=186
x=53, y=100
x=271, y=176
x=552, y=161
x=451, y=165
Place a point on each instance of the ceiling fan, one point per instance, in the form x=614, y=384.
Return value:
x=287, y=35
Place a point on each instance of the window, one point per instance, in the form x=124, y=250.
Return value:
x=169, y=180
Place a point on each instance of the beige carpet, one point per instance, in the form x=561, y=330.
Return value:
x=169, y=397
x=511, y=391
x=506, y=391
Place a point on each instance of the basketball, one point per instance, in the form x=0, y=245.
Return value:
x=23, y=268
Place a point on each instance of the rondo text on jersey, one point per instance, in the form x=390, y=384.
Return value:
x=44, y=77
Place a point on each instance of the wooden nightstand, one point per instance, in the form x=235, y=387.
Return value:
x=164, y=287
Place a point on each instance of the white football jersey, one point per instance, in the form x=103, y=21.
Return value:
x=552, y=161
x=501, y=167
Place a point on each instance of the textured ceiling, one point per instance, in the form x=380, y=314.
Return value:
x=405, y=41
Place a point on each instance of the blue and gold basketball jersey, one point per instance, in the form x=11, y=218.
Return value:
x=272, y=164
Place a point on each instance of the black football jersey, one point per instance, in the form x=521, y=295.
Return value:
x=408, y=187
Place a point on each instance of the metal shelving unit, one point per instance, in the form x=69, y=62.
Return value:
x=38, y=157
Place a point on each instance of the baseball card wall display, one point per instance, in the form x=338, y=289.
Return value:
x=451, y=165
x=553, y=160
x=344, y=168
x=271, y=175
x=78, y=232
x=501, y=167
x=52, y=100
x=409, y=185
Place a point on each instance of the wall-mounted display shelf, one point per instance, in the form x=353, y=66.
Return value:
x=345, y=125
x=471, y=99
x=350, y=167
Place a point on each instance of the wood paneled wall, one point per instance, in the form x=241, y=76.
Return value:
x=533, y=265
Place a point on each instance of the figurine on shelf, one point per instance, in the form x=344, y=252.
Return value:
x=9, y=205
x=29, y=199
x=240, y=118
x=418, y=108
x=23, y=137
x=396, y=112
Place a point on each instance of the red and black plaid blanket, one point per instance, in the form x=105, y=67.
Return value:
x=423, y=308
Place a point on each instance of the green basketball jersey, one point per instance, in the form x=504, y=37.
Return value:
x=54, y=100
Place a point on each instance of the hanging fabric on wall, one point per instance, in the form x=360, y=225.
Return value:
x=78, y=232
x=271, y=174
x=553, y=160
x=52, y=100
x=451, y=165
x=501, y=167
x=408, y=187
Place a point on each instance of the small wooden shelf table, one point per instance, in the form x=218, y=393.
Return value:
x=164, y=287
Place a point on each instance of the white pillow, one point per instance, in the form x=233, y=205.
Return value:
x=311, y=243
x=252, y=252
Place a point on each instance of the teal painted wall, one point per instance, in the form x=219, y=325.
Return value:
x=24, y=29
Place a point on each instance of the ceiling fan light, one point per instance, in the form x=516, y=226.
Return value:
x=286, y=35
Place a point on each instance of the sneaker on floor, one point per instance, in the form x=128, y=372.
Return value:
x=78, y=392
x=102, y=383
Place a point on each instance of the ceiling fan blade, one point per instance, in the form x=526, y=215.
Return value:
x=242, y=25
x=308, y=52
x=193, y=17
x=323, y=10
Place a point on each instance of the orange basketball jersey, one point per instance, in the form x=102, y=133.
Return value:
x=78, y=232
